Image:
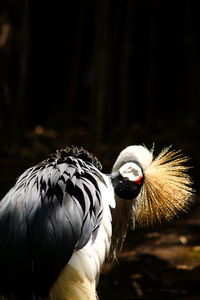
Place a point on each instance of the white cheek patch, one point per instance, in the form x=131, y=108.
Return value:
x=131, y=171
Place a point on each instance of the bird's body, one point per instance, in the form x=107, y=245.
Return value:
x=56, y=222
x=55, y=228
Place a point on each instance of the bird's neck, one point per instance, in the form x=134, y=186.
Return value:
x=122, y=216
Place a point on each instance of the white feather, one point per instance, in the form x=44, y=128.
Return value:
x=89, y=260
x=134, y=153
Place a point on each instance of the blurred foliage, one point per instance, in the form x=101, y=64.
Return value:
x=104, y=65
x=102, y=74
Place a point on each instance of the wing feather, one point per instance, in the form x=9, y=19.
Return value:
x=52, y=211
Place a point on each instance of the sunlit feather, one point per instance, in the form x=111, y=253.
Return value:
x=167, y=188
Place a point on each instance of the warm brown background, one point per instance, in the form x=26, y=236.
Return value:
x=103, y=75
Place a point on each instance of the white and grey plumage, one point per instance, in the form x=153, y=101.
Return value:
x=55, y=223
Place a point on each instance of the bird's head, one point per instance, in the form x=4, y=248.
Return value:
x=129, y=170
x=156, y=188
x=128, y=180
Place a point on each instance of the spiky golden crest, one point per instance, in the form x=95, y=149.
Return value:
x=166, y=190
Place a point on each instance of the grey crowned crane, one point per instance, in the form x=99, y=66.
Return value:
x=63, y=216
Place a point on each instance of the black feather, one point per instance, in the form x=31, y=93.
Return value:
x=63, y=154
x=54, y=209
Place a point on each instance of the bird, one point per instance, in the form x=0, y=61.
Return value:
x=64, y=217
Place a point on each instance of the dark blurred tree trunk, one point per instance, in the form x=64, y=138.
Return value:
x=98, y=113
x=125, y=67
x=21, y=107
x=192, y=63
x=9, y=30
x=152, y=62
x=73, y=84
x=14, y=42
x=5, y=96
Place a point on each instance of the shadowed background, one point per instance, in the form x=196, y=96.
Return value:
x=103, y=75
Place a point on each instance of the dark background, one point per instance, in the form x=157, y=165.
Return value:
x=104, y=75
